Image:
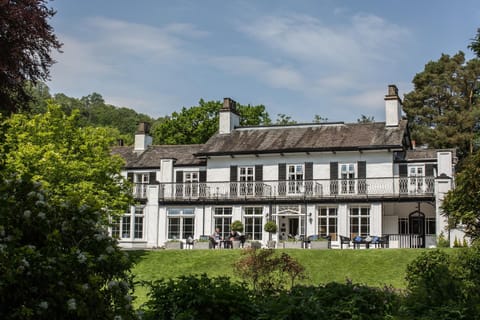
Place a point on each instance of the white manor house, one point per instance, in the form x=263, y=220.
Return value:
x=329, y=179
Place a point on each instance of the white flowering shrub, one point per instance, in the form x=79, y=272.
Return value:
x=57, y=261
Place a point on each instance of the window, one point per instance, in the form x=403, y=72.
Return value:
x=126, y=227
x=430, y=226
x=359, y=221
x=327, y=222
x=347, y=175
x=246, y=177
x=403, y=226
x=138, y=223
x=141, y=181
x=116, y=227
x=416, y=179
x=295, y=178
x=253, y=222
x=180, y=223
x=191, y=183
x=223, y=220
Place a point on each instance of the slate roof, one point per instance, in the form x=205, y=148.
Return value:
x=305, y=138
x=150, y=158
x=425, y=154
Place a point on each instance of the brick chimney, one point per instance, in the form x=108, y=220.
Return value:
x=228, y=118
x=142, y=137
x=393, y=106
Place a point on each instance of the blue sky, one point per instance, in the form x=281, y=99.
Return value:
x=300, y=58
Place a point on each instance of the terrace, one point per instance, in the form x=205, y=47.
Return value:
x=397, y=187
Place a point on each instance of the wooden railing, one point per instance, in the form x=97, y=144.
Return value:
x=351, y=188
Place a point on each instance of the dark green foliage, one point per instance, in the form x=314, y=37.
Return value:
x=475, y=44
x=237, y=225
x=26, y=42
x=270, y=226
x=268, y=271
x=443, y=109
x=462, y=204
x=442, y=286
x=199, y=297
x=57, y=261
x=331, y=301
x=195, y=125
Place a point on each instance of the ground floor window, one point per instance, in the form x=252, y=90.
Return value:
x=253, y=222
x=130, y=224
x=359, y=221
x=180, y=223
x=116, y=227
x=327, y=222
x=222, y=217
x=430, y=226
x=126, y=226
x=403, y=226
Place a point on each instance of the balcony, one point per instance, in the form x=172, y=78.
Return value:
x=290, y=190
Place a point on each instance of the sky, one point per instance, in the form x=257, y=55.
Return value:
x=301, y=58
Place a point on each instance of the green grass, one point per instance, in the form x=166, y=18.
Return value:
x=372, y=267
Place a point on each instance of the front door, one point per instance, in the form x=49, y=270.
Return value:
x=293, y=226
x=417, y=227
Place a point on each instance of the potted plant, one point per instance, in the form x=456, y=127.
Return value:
x=236, y=226
x=270, y=227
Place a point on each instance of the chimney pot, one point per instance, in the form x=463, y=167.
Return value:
x=143, y=127
x=392, y=90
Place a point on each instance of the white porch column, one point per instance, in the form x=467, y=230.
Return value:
x=376, y=219
x=443, y=184
x=150, y=220
x=343, y=223
x=162, y=226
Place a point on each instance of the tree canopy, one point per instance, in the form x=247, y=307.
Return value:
x=26, y=42
x=198, y=123
x=462, y=204
x=443, y=109
x=72, y=162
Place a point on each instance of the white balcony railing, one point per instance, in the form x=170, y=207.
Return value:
x=351, y=188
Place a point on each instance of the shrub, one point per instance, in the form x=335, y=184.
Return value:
x=57, y=261
x=332, y=301
x=436, y=286
x=442, y=242
x=237, y=225
x=267, y=271
x=199, y=297
x=270, y=227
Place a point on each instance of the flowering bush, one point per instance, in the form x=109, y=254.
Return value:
x=57, y=261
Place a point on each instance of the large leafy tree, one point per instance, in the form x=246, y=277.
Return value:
x=198, y=123
x=56, y=259
x=73, y=163
x=26, y=43
x=462, y=204
x=444, y=109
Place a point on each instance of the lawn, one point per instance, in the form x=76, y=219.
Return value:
x=372, y=267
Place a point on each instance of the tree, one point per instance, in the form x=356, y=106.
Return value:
x=443, y=109
x=195, y=125
x=475, y=44
x=366, y=119
x=462, y=204
x=73, y=163
x=283, y=119
x=56, y=259
x=319, y=119
x=26, y=42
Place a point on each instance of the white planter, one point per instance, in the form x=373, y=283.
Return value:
x=292, y=245
x=201, y=245
x=174, y=245
x=319, y=245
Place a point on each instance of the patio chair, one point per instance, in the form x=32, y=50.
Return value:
x=344, y=240
x=384, y=241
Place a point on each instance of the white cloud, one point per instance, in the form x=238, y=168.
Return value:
x=283, y=77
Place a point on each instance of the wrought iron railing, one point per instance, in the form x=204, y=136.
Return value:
x=351, y=188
